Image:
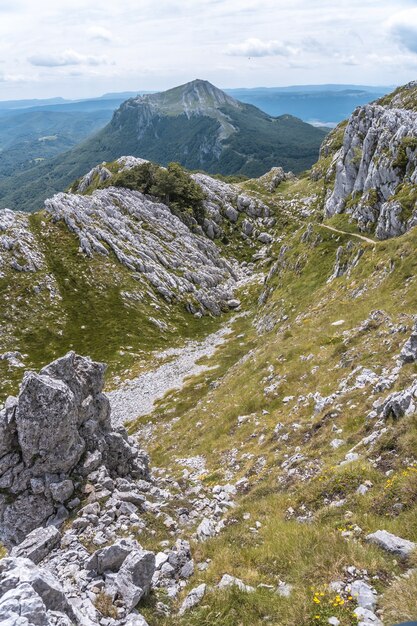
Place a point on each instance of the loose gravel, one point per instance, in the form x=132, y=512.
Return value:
x=137, y=397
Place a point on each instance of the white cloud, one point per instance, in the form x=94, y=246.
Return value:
x=152, y=46
x=68, y=57
x=12, y=78
x=100, y=34
x=403, y=27
x=253, y=47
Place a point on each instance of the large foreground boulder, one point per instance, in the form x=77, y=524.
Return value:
x=31, y=595
x=55, y=433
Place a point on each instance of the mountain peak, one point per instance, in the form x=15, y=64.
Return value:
x=194, y=98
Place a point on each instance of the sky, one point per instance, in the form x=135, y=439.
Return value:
x=83, y=48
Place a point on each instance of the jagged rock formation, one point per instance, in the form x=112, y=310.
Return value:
x=18, y=248
x=222, y=205
x=376, y=168
x=272, y=179
x=53, y=434
x=148, y=239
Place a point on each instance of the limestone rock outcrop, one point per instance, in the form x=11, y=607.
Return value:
x=54, y=433
x=150, y=241
x=18, y=247
x=376, y=168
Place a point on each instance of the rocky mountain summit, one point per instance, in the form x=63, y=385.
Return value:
x=376, y=166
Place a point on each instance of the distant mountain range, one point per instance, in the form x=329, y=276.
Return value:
x=318, y=104
x=195, y=124
x=32, y=131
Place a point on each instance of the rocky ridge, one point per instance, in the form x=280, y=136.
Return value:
x=128, y=246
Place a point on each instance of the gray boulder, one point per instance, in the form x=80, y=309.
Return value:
x=409, y=352
x=391, y=543
x=206, y=529
x=193, y=598
x=46, y=420
x=232, y=581
x=38, y=544
x=110, y=558
x=57, y=431
x=366, y=617
x=62, y=491
x=264, y=238
x=399, y=403
x=134, y=578
x=364, y=594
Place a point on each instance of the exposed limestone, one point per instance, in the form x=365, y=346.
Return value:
x=231, y=581
x=56, y=429
x=391, y=543
x=272, y=179
x=30, y=596
x=134, y=578
x=38, y=544
x=379, y=153
x=149, y=240
x=18, y=247
x=99, y=173
x=193, y=598
x=408, y=353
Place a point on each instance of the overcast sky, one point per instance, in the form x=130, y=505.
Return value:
x=82, y=48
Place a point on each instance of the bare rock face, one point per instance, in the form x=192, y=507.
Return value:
x=409, y=351
x=38, y=544
x=272, y=179
x=53, y=434
x=377, y=167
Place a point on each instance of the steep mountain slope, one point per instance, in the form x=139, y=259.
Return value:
x=282, y=485
x=196, y=125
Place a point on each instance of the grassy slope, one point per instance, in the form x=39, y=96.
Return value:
x=99, y=309
x=309, y=556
